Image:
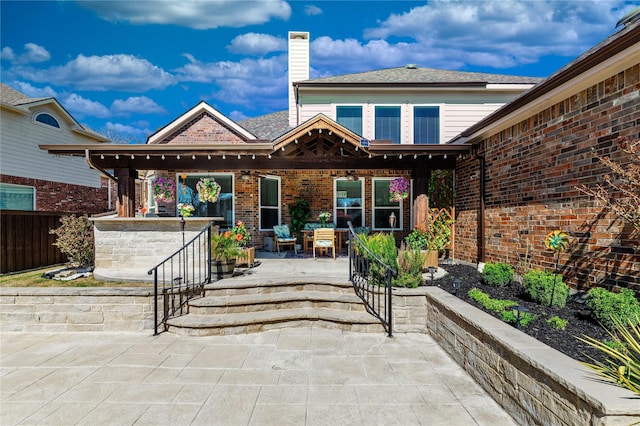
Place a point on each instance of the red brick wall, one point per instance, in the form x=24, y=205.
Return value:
x=62, y=197
x=532, y=170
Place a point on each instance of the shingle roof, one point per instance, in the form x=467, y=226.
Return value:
x=411, y=74
x=11, y=96
x=268, y=126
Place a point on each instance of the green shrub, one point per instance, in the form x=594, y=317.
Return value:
x=75, y=239
x=497, y=274
x=606, y=305
x=557, y=322
x=409, y=269
x=541, y=286
x=383, y=246
x=511, y=318
x=623, y=364
x=494, y=305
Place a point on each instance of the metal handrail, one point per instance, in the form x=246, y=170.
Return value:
x=183, y=276
x=371, y=279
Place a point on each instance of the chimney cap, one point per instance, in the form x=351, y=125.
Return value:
x=411, y=66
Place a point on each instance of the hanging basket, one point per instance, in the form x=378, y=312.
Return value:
x=208, y=190
x=164, y=190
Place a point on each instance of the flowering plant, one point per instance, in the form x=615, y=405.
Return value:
x=208, y=190
x=225, y=246
x=164, y=189
x=241, y=234
x=398, y=189
x=185, y=210
x=324, y=217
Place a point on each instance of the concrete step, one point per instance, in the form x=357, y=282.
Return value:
x=239, y=287
x=212, y=305
x=250, y=322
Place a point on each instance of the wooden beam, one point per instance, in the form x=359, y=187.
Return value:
x=126, y=201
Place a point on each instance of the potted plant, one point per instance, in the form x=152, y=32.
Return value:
x=323, y=218
x=185, y=210
x=431, y=244
x=300, y=212
x=164, y=189
x=398, y=189
x=247, y=255
x=225, y=247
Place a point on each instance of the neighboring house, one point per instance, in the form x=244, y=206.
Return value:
x=31, y=179
x=536, y=150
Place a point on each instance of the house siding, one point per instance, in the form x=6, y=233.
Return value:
x=532, y=170
x=22, y=157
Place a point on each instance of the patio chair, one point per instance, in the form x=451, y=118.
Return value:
x=284, y=238
x=324, y=238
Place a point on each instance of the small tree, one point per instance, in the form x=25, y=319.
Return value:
x=75, y=239
x=622, y=196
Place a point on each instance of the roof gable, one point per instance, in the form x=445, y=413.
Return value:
x=202, y=124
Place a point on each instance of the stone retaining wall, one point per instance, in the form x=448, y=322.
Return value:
x=58, y=309
x=534, y=383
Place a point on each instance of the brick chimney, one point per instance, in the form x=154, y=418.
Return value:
x=298, y=68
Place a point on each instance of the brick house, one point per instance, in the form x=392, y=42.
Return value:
x=536, y=150
x=31, y=179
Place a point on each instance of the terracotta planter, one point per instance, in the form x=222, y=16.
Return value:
x=223, y=268
x=247, y=257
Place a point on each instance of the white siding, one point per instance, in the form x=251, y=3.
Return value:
x=461, y=117
x=21, y=156
x=298, y=68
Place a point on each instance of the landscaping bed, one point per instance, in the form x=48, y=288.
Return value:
x=565, y=341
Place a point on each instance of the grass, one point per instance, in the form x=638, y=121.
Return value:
x=34, y=279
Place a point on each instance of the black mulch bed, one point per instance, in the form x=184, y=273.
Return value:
x=563, y=340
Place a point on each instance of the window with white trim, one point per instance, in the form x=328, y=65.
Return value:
x=269, y=202
x=383, y=207
x=349, y=202
x=387, y=123
x=350, y=117
x=47, y=119
x=223, y=207
x=17, y=197
x=426, y=125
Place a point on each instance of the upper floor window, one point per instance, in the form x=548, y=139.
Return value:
x=426, y=125
x=388, y=123
x=350, y=117
x=47, y=119
x=269, y=202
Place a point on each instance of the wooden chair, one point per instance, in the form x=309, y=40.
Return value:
x=324, y=238
x=284, y=238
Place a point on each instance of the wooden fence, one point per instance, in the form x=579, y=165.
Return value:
x=26, y=242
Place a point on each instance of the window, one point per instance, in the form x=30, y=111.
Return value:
x=47, y=119
x=350, y=117
x=382, y=207
x=348, y=202
x=269, y=202
x=388, y=123
x=426, y=125
x=187, y=193
x=17, y=197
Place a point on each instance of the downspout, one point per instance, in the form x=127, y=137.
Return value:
x=481, y=223
x=87, y=157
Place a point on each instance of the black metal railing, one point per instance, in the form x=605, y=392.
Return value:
x=182, y=276
x=371, y=279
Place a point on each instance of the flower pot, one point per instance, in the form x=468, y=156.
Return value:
x=223, y=268
x=247, y=257
x=430, y=258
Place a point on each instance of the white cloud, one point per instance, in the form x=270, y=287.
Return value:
x=33, y=54
x=136, y=105
x=501, y=33
x=257, y=44
x=195, y=14
x=123, y=129
x=80, y=107
x=311, y=10
x=108, y=72
x=34, y=92
x=249, y=82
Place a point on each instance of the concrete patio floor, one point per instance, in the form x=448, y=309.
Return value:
x=296, y=376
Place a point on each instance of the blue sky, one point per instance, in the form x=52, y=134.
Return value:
x=126, y=68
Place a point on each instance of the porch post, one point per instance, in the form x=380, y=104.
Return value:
x=126, y=202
